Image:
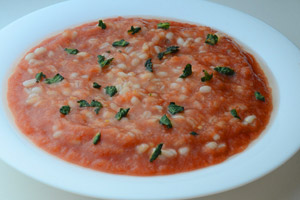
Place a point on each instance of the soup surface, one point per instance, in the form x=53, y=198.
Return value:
x=140, y=96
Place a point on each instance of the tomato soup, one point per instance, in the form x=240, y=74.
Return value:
x=140, y=96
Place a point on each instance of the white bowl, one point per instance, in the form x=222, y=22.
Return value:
x=279, y=58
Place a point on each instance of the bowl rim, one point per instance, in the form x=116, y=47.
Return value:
x=26, y=157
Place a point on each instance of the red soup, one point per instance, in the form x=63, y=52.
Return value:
x=140, y=96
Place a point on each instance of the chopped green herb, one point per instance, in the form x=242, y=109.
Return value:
x=161, y=55
x=164, y=120
x=97, y=138
x=156, y=152
x=65, y=110
x=95, y=103
x=259, y=96
x=96, y=85
x=108, y=52
x=72, y=51
x=211, y=39
x=134, y=30
x=174, y=109
x=120, y=43
x=55, y=79
x=234, y=113
x=187, y=71
x=150, y=94
x=193, y=133
x=122, y=113
x=39, y=76
x=171, y=49
x=163, y=25
x=102, y=24
x=206, y=76
x=224, y=70
x=97, y=110
x=102, y=61
x=149, y=65
x=83, y=103
x=111, y=90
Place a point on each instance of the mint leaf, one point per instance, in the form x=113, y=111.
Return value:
x=83, y=103
x=187, y=71
x=103, y=62
x=234, y=113
x=149, y=65
x=224, y=70
x=71, y=51
x=211, y=39
x=97, y=138
x=206, y=76
x=163, y=25
x=164, y=120
x=96, y=85
x=65, y=110
x=57, y=78
x=193, y=133
x=120, y=43
x=259, y=96
x=134, y=30
x=102, y=24
x=122, y=113
x=169, y=50
x=156, y=152
x=39, y=76
x=111, y=90
x=174, y=109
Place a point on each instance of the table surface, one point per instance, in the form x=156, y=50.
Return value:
x=281, y=184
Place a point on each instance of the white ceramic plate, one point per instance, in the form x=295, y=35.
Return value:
x=280, y=60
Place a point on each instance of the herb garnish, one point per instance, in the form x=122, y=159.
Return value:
x=83, y=103
x=134, y=30
x=122, y=113
x=55, y=79
x=259, y=96
x=120, y=43
x=206, y=76
x=174, y=109
x=187, y=71
x=94, y=103
x=97, y=138
x=103, y=62
x=149, y=65
x=65, y=110
x=39, y=76
x=111, y=90
x=163, y=25
x=164, y=120
x=171, y=49
x=156, y=152
x=234, y=113
x=211, y=39
x=102, y=24
x=193, y=133
x=71, y=51
x=224, y=70
x=96, y=85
